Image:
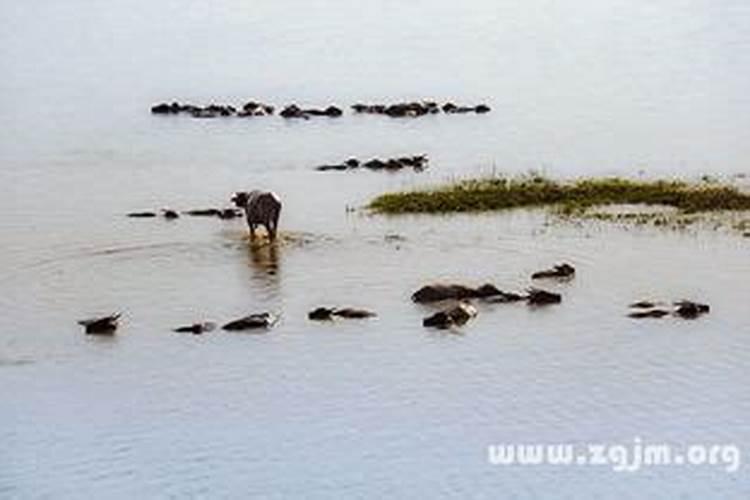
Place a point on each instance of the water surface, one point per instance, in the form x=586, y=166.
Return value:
x=373, y=408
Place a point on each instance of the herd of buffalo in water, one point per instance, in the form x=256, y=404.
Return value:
x=459, y=312
x=263, y=209
x=256, y=109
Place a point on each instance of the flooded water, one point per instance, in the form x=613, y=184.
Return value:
x=382, y=407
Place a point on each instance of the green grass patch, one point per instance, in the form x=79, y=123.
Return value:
x=532, y=192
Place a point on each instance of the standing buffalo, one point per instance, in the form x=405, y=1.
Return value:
x=261, y=208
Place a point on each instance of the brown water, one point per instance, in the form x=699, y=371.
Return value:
x=379, y=407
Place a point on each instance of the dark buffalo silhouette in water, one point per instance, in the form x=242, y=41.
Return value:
x=105, y=325
x=262, y=208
